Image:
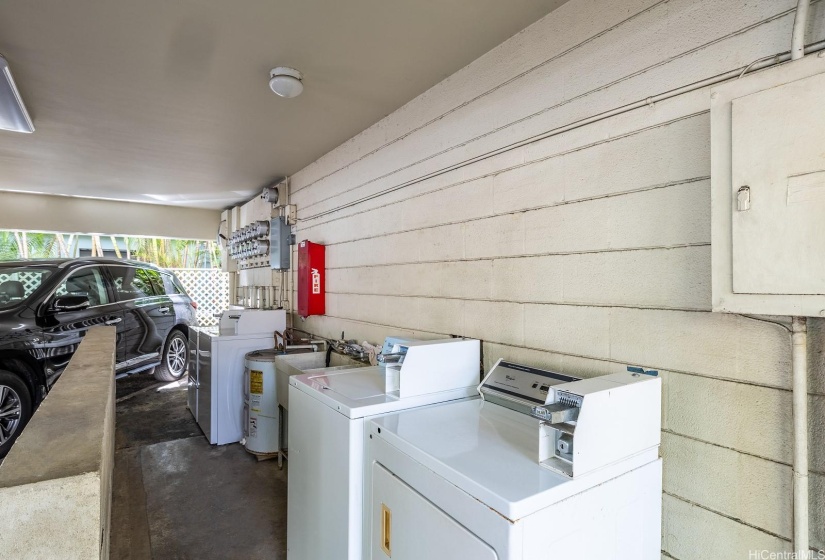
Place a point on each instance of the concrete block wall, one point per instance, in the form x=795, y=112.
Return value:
x=56, y=482
x=585, y=251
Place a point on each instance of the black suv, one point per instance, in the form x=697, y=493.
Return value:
x=47, y=305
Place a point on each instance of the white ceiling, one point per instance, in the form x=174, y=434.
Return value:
x=167, y=101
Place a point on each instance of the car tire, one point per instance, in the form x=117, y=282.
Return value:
x=15, y=409
x=174, y=358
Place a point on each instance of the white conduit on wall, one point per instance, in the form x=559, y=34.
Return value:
x=800, y=22
x=799, y=355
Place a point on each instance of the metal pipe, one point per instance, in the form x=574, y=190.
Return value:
x=800, y=24
x=799, y=339
x=779, y=58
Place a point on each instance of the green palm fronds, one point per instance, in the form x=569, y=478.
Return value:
x=167, y=253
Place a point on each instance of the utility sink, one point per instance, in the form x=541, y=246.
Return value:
x=312, y=362
x=297, y=364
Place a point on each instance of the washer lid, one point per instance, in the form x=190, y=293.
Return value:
x=490, y=452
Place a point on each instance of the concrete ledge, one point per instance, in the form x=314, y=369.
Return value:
x=55, y=484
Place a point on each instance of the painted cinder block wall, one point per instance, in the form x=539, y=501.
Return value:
x=586, y=251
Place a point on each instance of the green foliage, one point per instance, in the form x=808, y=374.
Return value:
x=167, y=253
x=175, y=253
x=8, y=246
x=30, y=245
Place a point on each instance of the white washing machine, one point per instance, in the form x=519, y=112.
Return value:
x=328, y=412
x=543, y=467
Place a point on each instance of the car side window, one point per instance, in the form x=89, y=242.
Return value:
x=170, y=285
x=87, y=282
x=131, y=282
x=17, y=284
x=152, y=278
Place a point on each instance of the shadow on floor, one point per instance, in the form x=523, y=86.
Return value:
x=177, y=497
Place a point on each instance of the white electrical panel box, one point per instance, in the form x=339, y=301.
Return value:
x=768, y=191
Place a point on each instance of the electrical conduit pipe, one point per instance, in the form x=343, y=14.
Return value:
x=799, y=340
x=800, y=22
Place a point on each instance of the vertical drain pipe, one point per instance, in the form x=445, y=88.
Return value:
x=799, y=339
x=800, y=22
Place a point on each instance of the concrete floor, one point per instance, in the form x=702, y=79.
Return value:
x=177, y=497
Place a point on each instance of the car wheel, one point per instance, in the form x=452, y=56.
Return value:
x=15, y=409
x=175, y=356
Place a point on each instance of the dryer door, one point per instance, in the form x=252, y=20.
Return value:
x=407, y=526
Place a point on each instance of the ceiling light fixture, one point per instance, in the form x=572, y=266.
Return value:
x=13, y=114
x=286, y=82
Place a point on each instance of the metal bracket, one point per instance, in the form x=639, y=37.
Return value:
x=637, y=370
x=556, y=413
x=292, y=214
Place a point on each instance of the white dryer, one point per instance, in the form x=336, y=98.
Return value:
x=328, y=412
x=545, y=466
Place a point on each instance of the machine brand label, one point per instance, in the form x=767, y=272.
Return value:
x=256, y=382
x=540, y=412
x=316, y=281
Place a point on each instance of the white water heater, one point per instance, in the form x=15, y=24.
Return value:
x=261, y=403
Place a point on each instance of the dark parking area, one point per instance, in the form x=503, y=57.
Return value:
x=177, y=497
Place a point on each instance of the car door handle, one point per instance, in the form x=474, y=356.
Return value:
x=163, y=309
x=113, y=321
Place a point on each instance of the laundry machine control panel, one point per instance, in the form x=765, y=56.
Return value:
x=511, y=384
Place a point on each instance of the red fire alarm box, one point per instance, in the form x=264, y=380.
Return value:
x=311, y=275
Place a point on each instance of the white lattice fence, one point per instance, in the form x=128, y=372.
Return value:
x=209, y=287
x=30, y=280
